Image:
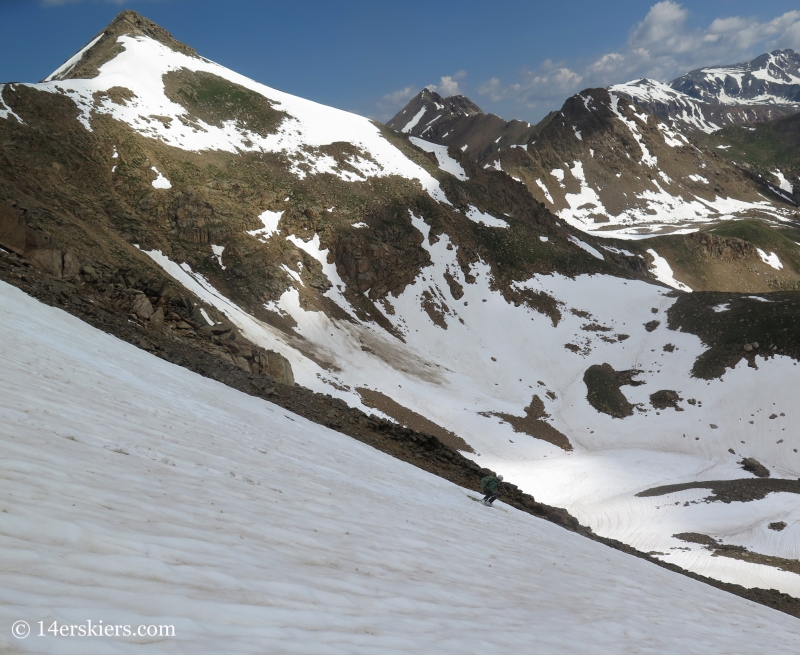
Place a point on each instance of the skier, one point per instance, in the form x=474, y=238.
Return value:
x=490, y=486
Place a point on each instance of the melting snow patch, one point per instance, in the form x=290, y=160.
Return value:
x=68, y=65
x=619, y=251
x=546, y=192
x=698, y=178
x=160, y=182
x=647, y=158
x=759, y=298
x=5, y=110
x=723, y=147
x=670, y=137
x=477, y=216
x=270, y=220
x=577, y=133
x=586, y=247
x=464, y=147
x=783, y=182
x=446, y=162
x=724, y=307
x=218, y=250
x=293, y=274
x=543, y=238
x=663, y=272
x=413, y=122
x=360, y=224
x=584, y=203
x=558, y=173
x=206, y=316
x=770, y=260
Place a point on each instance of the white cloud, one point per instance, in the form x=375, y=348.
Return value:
x=662, y=46
x=388, y=105
x=448, y=84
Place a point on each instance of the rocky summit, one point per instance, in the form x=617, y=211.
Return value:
x=602, y=306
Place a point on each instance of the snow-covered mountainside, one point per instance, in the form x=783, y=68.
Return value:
x=606, y=166
x=771, y=79
x=690, y=114
x=615, y=163
x=135, y=493
x=410, y=280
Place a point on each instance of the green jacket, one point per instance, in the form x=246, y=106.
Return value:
x=490, y=483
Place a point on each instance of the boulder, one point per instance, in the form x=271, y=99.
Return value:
x=71, y=265
x=197, y=317
x=755, y=467
x=143, y=308
x=157, y=318
x=278, y=367
x=50, y=260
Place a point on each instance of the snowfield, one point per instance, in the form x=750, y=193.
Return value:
x=500, y=356
x=136, y=492
x=140, y=67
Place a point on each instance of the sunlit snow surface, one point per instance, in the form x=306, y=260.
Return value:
x=141, y=67
x=136, y=492
x=68, y=65
x=494, y=362
x=446, y=162
x=160, y=182
x=5, y=110
x=663, y=272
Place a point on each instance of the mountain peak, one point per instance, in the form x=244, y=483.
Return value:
x=770, y=79
x=430, y=106
x=103, y=46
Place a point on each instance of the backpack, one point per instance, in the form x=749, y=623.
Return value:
x=485, y=482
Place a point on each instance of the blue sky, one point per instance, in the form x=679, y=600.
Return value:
x=518, y=59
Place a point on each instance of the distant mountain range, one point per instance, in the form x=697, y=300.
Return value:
x=646, y=137
x=771, y=79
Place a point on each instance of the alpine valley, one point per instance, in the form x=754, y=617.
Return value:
x=213, y=290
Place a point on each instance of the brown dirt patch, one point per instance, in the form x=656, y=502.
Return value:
x=603, y=393
x=739, y=552
x=533, y=424
x=666, y=398
x=727, y=491
x=411, y=419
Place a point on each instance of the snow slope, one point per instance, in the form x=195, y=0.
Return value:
x=494, y=356
x=135, y=492
x=140, y=68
